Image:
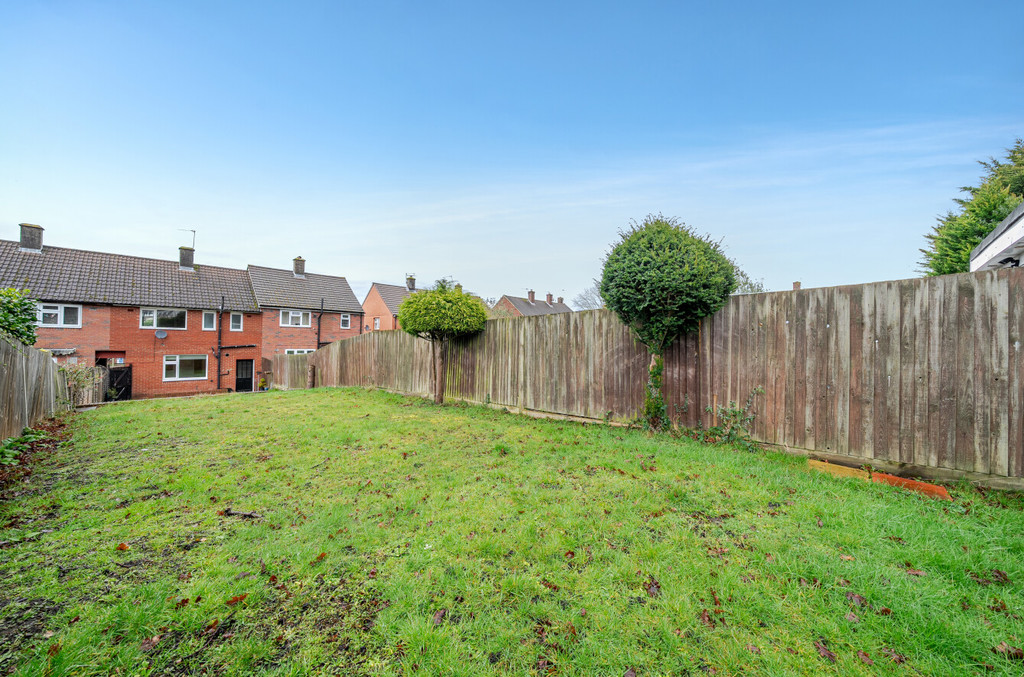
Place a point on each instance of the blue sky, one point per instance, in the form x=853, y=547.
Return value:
x=502, y=144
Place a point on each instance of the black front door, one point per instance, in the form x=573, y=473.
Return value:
x=243, y=376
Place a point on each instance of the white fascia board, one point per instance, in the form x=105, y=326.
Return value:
x=1009, y=244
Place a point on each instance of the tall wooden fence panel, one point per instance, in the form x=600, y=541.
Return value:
x=927, y=372
x=31, y=388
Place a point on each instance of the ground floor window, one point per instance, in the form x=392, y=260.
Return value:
x=184, y=367
x=299, y=351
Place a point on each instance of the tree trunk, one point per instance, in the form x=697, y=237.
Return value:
x=438, y=348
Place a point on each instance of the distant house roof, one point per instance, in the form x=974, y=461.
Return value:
x=538, y=307
x=1006, y=241
x=277, y=288
x=392, y=295
x=80, y=276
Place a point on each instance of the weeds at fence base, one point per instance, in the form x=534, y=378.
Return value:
x=733, y=428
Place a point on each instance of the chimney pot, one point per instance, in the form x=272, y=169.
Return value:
x=532, y=296
x=186, y=258
x=561, y=300
x=410, y=282
x=550, y=299
x=796, y=286
x=299, y=266
x=31, y=237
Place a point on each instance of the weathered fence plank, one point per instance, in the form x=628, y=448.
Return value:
x=31, y=388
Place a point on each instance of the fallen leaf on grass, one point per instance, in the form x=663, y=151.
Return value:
x=569, y=554
x=48, y=634
x=847, y=558
x=859, y=600
x=896, y=657
x=820, y=523
x=852, y=617
x=753, y=649
x=630, y=673
x=439, y=616
x=865, y=658
x=319, y=558
x=55, y=649
x=549, y=585
x=706, y=619
x=122, y=546
x=822, y=646
x=652, y=586
x=236, y=599
x=183, y=603
x=1000, y=576
x=150, y=643
x=912, y=571
x=883, y=611
x=1010, y=652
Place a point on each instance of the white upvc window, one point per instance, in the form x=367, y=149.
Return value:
x=163, y=318
x=184, y=367
x=236, y=321
x=346, y=321
x=298, y=351
x=376, y=323
x=60, y=315
x=295, y=318
x=209, y=320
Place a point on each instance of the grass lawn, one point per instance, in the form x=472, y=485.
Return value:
x=396, y=537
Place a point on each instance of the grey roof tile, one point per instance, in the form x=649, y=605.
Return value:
x=277, y=288
x=81, y=276
x=539, y=307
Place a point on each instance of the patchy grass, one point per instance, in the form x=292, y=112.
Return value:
x=395, y=537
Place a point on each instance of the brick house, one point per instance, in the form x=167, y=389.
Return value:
x=380, y=307
x=303, y=311
x=171, y=327
x=517, y=306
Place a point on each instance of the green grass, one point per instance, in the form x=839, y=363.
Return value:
x=397, y=537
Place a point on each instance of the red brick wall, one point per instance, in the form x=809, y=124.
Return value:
x=94, y=335
x=374, y=307
x=277, y=339
x=505, y=306
x=145, y=352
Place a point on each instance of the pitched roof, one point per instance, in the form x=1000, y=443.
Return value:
x=392, y=294
x=538, y=307
x=277, y=288
x=80, y=276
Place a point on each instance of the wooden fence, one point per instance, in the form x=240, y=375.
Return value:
x=31, y=388
x=925, y=372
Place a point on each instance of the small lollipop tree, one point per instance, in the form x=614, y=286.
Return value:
x=438, y=315
x=661, y=279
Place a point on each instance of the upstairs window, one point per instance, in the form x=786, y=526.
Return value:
x=236, y=321
x=346, y=321
x=59, y=315
x=376, y=323
x=162, y=318
x=295, y=318
x=209, y=320
x=298, y=351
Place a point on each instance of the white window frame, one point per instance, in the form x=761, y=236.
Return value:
x=213, y=314
x=176, y=361
x=59, y=308
x=376, y=324
x=299, y=351
x=241, y=322
x=303, y=315
x=156, y=315
x=346, y=321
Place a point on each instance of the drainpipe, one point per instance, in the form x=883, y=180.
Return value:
x=220, y=328
x=319, y=318
x=361, y=319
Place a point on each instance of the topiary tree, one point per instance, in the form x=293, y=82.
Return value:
x=440, y=314
x=661, y=279
x=18, y=316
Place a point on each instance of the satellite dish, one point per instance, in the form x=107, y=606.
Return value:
x=161, y=334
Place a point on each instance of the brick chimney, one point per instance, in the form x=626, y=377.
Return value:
x=550, y=299
x=410, y=282
x=561, y=300
x=299, y=267
x=532, y=296
x=186, y=257
x=31, y=237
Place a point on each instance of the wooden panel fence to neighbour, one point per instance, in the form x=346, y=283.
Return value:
x=925, y=372
x=31, y=388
